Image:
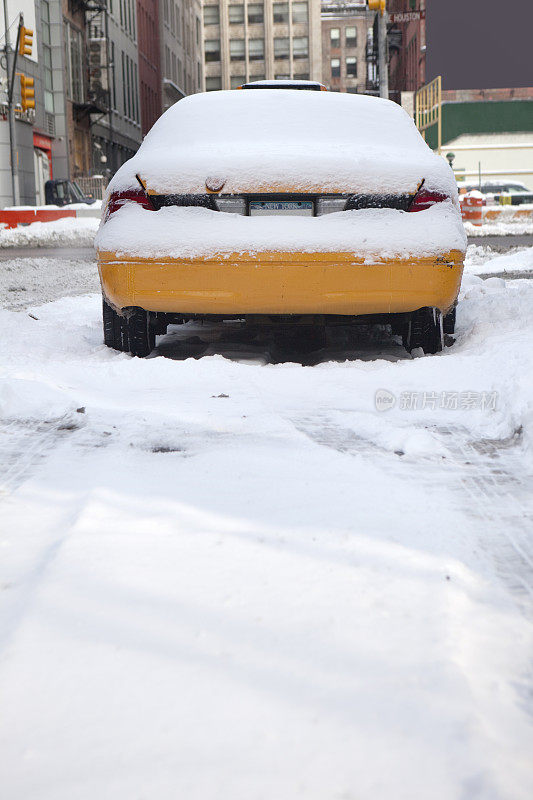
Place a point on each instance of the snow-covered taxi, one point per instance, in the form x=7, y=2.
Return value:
x=310, y=207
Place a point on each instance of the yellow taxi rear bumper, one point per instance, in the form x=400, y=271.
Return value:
x=281, y=283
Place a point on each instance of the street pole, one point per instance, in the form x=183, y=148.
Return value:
x=10, y=57
x=382, y=55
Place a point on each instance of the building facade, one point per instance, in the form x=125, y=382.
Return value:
x=406, y=36
x=180, y=27
x=344, y=36
x=114, y=80
x=149, y=62
x=260, y=40
x=54, y=139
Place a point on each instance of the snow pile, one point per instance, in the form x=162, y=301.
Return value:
x=289, y=140
x=97, y=206
x=497, y=228
x=199, y=232
x=67, y=232
x=482, y=261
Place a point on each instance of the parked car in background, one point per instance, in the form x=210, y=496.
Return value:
x=306, y=208
x=518, y=192
x=64, y=192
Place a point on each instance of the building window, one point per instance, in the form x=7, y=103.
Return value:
x=74, y=63
x=256, y=13
x=212, y=49
x=300, y=13
x=281, y=77
x=213, y=84
x=237, y=80
x=352, y=89
x=281, y=12
x=211, y=15
x=236, y=50
x=351, y=67
x=236, y=14
x=335, y=37
x=300, y=47
x=281, y=47
x=256, y=49
x=47, y=57
x=351, y=37
x=301, y=76
x=335, y=67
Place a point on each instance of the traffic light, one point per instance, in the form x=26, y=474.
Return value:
x=25, y=41
x=27, y=92
x=378, y=5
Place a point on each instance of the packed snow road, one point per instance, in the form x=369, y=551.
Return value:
x=267, y=571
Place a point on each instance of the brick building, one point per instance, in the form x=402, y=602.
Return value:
x=149, y=62
x=406, y=35
x=344, y=36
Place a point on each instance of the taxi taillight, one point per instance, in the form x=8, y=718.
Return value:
x=424, y=199
x=118, y=199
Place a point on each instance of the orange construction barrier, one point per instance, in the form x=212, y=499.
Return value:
x=11, y=217
x=472, y=208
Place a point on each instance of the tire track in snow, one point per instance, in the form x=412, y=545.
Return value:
x=488, y=477
x=491, y=475
x=24, y=445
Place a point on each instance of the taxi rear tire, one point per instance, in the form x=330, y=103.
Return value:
x=141, y=332
x=115, y=328
x=424, y=330
x=448, y=323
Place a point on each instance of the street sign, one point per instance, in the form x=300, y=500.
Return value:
x=402, y=17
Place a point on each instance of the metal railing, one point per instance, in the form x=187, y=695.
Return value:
x=428, y=109
x=94, y=185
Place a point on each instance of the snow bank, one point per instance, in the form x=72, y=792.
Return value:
x=495, y=228
x=301, y=141
x=192, y=232
x=482, y=261
x=68, y=232
x=97, y=206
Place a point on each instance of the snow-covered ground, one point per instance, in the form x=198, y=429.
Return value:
x=26, y=282
x=234, y=577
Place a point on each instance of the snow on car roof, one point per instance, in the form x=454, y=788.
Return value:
x=292, y=140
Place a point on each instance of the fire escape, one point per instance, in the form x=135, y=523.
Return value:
x=98, y=63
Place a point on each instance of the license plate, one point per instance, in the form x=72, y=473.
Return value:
x=295, y=208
